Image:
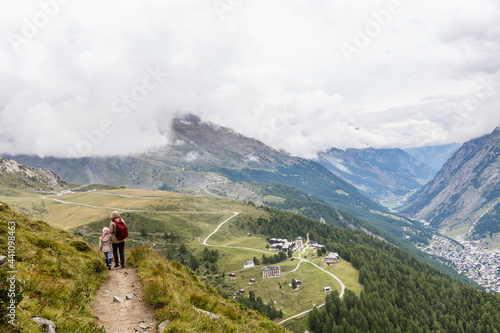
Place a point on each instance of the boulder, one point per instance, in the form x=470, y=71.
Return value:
x=163, y=326
x=208, y=313
x=49, y=326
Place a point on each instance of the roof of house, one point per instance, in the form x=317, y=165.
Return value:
x=267, y=268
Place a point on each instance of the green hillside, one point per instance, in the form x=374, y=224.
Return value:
x=386, y=287
x=57, y=275
x=176, y=292
x=165, y=221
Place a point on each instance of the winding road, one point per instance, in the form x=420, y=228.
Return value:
x=217, y=229
x=319, y=306
x=227, y=246
x=298, y=265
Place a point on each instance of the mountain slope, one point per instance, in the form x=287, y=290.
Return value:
x=208, y=159
x=200, y=149
x=57, y=274
x=434, y=156
x=384, y=175
x=395, y=284
x=465, y=190
x=17, y=176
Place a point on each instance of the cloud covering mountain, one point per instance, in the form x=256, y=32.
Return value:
x=93, y=78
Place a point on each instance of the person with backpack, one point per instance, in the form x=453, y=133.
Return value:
x=105, y=246
x=119, y=233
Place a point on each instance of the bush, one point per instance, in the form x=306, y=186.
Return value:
x=80, y=246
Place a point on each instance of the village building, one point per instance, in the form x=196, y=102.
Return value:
x=279, y=244
x=271, y=271
x=248, y=263
x=299, y=241
x=332, y=258
x=315, y=245
x=298, y=283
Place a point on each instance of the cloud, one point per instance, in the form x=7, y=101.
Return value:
x=94, y=78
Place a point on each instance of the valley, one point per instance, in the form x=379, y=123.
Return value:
x=372, y=276
x=219, y=219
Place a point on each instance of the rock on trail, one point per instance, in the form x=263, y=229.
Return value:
x=132, y=312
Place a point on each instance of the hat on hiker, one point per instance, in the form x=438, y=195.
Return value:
x=114, y=215
x=105, y=231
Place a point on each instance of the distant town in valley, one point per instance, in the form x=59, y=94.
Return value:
x=478, y=263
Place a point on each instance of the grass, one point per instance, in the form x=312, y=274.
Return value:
x=175, y=291
x=290, y=301
x=58, y=274
x=347, y=274
x=298, y=325
x=152, y=214
x=455, y=232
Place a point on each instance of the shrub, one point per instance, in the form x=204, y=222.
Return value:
x=80, y=246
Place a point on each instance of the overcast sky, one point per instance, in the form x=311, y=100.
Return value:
x=107, y=77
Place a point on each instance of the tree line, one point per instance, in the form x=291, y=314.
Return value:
x=254, y=303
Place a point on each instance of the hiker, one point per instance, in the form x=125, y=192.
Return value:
x=119, y=233
x=105, y=246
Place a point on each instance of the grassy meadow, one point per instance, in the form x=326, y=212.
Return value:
x=57, y=274
x=163, y=220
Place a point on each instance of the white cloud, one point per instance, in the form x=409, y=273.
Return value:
x=81, y=82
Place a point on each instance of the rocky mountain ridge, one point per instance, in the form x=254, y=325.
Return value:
x=15, y=175
x=465, y=191
x=207, y=159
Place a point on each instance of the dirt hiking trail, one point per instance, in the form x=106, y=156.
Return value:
x=132, y=314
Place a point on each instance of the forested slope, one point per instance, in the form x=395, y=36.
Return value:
x=401, y=293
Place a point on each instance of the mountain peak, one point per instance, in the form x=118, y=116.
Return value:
x=189, y=119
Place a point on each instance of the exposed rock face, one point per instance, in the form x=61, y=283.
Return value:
x=466, y=190
x=21, y=176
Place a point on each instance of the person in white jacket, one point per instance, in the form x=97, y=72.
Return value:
x=105, y=245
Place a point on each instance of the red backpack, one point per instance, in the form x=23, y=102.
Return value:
x=121, y=230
